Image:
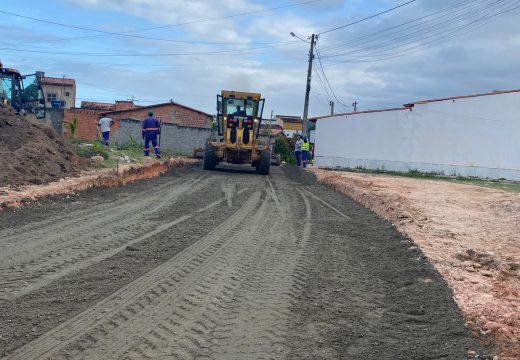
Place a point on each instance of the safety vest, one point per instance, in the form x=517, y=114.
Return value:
x=305, y=146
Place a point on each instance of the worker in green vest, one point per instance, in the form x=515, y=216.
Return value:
x=305, y=151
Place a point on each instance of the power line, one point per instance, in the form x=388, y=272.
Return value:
x=403, y=26
x=148, y=55
x=128, y=33
x=409, y=43
x=367, y=18
x=444, y=26
x=143, y=65
x=442, y=38
x=327, y=80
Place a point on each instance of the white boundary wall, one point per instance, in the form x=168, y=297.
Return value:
x=475, y=136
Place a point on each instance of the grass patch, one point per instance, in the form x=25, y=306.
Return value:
x=112, y=155
x=501, y=184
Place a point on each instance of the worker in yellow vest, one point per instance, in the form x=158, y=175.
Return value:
x=305, y=151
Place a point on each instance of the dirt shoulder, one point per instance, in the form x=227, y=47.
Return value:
x=469, y=233
x=88, y=179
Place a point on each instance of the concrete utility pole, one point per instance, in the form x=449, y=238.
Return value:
x=308, y=88
x=354, y=104
x=331, y=104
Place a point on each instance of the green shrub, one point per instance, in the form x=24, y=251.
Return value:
x=131, y=144
x=284, y=147
x=89, y=150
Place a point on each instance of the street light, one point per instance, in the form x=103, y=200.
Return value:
x=296, y=36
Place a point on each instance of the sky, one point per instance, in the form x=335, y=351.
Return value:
x=189, y=50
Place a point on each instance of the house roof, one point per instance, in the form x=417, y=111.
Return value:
x=290, y=118
x=187, y=121
x=45, y=80
x=97, y=105
x=171, y=102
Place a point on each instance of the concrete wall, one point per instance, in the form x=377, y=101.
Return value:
x=55, y=120
x=474, y=136
x=178, y=138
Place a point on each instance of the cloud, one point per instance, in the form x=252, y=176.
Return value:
x=482, y=60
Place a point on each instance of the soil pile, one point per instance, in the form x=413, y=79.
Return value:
x=30, y=153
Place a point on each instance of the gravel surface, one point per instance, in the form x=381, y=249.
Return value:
x=219, y=265
x=469, y=233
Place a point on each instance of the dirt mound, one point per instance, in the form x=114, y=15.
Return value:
x=30, y=153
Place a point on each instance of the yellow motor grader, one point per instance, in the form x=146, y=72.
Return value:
x=239, y=116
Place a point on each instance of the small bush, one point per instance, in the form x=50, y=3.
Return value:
x=283, y=147
x=89, y=150
x=131, y=144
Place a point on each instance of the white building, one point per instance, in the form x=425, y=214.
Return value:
x=474, y=135
x=61, y=90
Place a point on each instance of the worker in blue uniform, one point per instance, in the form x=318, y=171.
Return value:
x=151, y=129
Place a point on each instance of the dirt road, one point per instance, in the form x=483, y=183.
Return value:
x=218, y=265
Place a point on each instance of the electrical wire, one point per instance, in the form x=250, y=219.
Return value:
x=367, y=18
x=429, y=18
x=435, y=42
x=409, y=43
x=326, y=79
x=129, y=33
x=149, y=55
x=392, y=41
x=146, y=66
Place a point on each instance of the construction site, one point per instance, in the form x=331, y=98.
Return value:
x=203, y=228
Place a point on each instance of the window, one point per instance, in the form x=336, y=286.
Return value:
x=67, y=93
x=52, y=97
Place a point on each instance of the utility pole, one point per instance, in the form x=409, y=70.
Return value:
x=354, y=104
x=308, y=88
x=331, y=104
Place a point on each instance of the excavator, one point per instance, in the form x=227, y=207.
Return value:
x=239, y=116
x=22, y=92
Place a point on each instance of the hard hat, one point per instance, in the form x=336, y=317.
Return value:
x=150, y=113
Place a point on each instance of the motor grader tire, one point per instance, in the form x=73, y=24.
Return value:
x=210, y=158
x=264, y=163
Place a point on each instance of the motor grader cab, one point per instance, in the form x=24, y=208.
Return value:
x=239, y=116
x=22, y=92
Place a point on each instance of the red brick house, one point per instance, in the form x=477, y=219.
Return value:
x=170, y=112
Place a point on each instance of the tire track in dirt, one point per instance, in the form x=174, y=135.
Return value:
x=369, y=294
x=133, y=298
x=84, y=212
x=43, y=256
x=243, y=283
x=251, y=298
x=275, y=267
